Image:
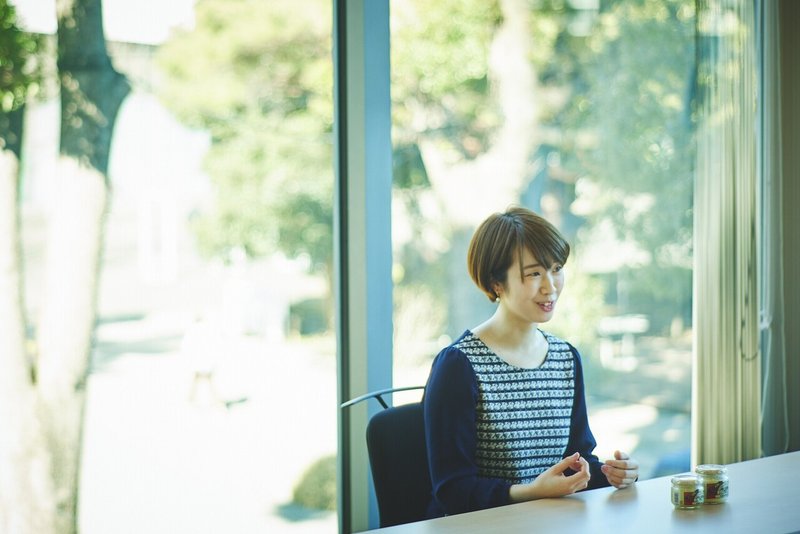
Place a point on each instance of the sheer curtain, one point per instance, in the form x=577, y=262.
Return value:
x=727, y=378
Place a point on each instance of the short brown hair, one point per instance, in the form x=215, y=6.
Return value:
x=502, y=236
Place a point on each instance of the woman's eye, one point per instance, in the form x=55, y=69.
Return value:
x=557, y=268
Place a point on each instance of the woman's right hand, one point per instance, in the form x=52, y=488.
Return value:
x=553, y=482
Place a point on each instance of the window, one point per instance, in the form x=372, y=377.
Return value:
x=212, y=382
x=582, y=113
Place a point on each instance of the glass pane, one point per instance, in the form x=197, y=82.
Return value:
x=581, y=111
x=212, y=388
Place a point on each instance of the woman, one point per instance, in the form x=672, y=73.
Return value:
x=505, y=414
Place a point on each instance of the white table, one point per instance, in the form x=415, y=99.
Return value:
x=764, y=498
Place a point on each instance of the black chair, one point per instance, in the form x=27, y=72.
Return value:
x=398, y=459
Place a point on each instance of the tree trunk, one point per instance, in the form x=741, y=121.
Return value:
x=26, y=501
x=469, y=190
x=66, y=324
x=12, y=343
x=494, y=180
x=91, y=94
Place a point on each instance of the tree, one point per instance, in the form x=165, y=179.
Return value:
x=467, y=95
x=47, y=394
x=485, y=94
x=21, y=498
x=602, y=116
x=258, y=76
x=634, y=141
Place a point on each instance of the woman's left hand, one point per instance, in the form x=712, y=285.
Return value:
x=622, y=471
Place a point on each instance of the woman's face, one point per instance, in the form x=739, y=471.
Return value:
x=532, y=298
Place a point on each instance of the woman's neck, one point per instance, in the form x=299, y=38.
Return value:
x=519, y=345
x=509, y=328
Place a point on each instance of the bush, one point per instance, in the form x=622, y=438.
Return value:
x=317, y=486
x=309, y=317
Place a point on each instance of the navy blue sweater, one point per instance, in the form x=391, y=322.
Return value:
x=489, y=424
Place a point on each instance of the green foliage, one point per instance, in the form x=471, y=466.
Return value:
x=450, y=49
x=18, y=75
x=258, y=76
x=579, y=310
x=634, y=138
x=620, y=119
x=662, y=289
x=317, y=486
x=249, y=55
x=408, y=169
x=440, y=71
x=440, y=56
x=440, y=64
x=615, y=89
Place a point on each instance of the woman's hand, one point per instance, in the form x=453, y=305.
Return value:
x=622, y=471
x=553, y=482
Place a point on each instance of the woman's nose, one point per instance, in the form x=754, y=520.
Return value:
x=547, y=284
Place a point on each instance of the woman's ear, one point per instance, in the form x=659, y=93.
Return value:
x=497, y=287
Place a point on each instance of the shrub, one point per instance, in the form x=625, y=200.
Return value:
x=317, y=486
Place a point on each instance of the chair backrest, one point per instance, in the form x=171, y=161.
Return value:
x=399, y=462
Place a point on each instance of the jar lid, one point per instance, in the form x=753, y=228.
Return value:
x=710, y=469
x=685, y=480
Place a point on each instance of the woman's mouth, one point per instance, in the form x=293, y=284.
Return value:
x=547, y=306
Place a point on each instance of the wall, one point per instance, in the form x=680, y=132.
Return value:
x=790, y=117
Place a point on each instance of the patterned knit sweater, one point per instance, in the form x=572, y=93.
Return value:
x=522, y=414
x=490, y=424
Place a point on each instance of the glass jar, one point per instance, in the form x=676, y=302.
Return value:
x=715, y=482
x=687, y=491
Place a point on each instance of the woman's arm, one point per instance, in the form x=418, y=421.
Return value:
x=622, y=470
x=451, y=396
x=581, y=438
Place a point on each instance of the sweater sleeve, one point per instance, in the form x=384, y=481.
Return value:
x=581, y=438
x=450, y=430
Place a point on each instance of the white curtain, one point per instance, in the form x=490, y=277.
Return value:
x=727, y=367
